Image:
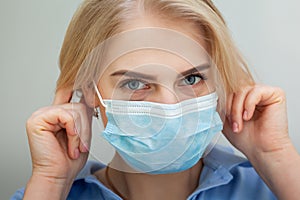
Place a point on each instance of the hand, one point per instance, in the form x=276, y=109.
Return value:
x=257, y=120
x=59, y=137
x=257, y=125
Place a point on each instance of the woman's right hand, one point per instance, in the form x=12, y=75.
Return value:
x=59, y=138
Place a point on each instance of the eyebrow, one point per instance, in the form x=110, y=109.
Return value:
x=149, y=77
x=133, y=74
x=195, y=69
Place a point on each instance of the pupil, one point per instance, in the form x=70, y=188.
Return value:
x=190, y=80
x=133, y=84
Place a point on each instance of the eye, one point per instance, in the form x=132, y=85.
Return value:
x=135, y=85
x=191, y=80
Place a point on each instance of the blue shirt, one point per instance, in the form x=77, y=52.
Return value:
x=224, y=176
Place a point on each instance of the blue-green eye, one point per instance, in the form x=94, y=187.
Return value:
x=135, y=85
x=191, y=80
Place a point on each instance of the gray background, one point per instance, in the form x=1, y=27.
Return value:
x=32, y=31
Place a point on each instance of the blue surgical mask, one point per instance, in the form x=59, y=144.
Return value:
x=160, y=138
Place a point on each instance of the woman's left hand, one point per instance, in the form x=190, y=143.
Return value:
x=257, y=120
x=257, y=125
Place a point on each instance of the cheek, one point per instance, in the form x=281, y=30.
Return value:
x=106, y=88
x=203, y=90
x=198, y=90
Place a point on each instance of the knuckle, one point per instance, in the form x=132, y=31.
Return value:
x=281, y=94
x=62, y=111
x=248, y=104
x=245, y=89
x=33, y=119
x=39, y=112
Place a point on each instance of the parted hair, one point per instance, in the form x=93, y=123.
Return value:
x=97, y=20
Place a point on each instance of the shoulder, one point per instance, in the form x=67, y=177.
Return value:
x=228, y=176
x=18, y=195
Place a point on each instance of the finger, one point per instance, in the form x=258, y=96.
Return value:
x=237, y=109
x=79, y=142
x=82, y=124
x=62, y=96
x=85, y=128
x=228, y=106
x=62, y=139
x=252, y=99
x=74, y=140
x=261, y=96
x=48, y=119
x=63, y=119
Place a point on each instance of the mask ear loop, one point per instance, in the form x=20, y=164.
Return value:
x=99, y=95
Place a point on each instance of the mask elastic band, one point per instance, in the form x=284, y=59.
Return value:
x=99, y=95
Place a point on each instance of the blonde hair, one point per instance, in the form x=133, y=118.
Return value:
x=97, y=20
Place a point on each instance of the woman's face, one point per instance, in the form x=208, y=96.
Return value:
x=159, y=75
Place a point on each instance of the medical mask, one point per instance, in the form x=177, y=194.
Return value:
x=160, y=138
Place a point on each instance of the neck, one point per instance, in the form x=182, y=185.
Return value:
x=163, y=186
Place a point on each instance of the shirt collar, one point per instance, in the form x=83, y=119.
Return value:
x=216, y=169
x=215, y=172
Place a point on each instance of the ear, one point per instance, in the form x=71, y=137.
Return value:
x=90, y=96
x=92, y=101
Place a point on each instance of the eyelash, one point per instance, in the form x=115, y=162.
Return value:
x=202, y=76
x=123, y=83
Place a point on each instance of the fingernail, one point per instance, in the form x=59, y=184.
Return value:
x=76, y=153
x=245, y=115
x=235, y=127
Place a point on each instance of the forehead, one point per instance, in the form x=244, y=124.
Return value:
x=186, y=28
x=152, y=40
x=154, y=60
x=157, y=46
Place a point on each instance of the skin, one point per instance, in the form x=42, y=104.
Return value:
x=256, y=124
x=162, y=90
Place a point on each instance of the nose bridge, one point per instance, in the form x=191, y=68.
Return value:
x=164, y=89
x=166, y=95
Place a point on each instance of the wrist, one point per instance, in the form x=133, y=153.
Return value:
x=44, y=187
x=280, y=154
x=277, y=168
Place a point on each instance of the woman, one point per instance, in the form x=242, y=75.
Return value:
x=182, y=77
